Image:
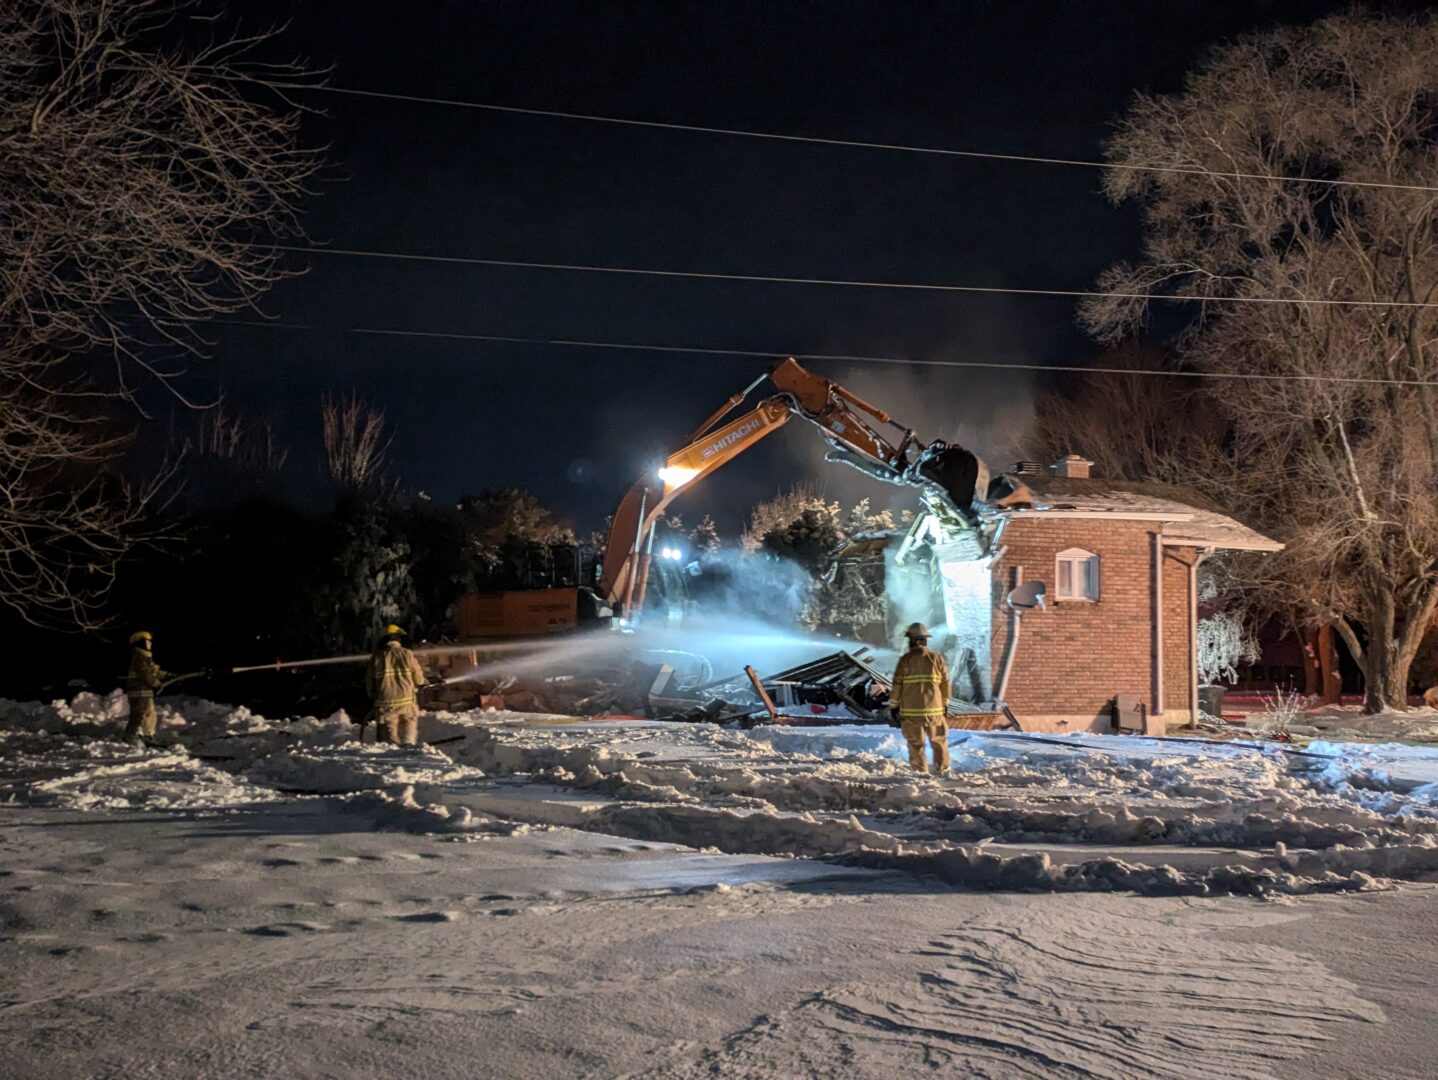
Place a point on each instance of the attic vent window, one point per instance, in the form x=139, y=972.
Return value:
x=1076, y=572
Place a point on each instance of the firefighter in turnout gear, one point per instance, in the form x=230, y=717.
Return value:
x=144, y=679
x=392, y=681
x=921, y=698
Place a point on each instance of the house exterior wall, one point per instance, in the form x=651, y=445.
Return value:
x=1075, y=655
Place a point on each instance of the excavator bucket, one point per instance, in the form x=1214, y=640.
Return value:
x=958, y=473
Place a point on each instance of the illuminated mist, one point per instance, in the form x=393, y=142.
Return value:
x=737, y=609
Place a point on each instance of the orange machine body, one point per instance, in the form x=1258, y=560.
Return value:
x=848, y=422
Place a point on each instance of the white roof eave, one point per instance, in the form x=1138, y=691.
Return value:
x=1192, y=532
x=1107, y=515
x=1256, y=542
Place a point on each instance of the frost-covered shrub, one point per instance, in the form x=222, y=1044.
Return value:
x=1279, y=712
x=802, y=528
x=1224, y=641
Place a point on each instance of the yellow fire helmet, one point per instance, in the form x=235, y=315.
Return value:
x=141, y=636
x=393, y=629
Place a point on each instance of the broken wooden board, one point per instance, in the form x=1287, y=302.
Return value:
x=992, y=721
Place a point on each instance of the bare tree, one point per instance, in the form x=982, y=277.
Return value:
x=229, y=437
x=1125, y=423
x=1346, y=472
x=355, y=443
x=1172, y=431
x=510, y=515
x=146, y=170
x=65, y=524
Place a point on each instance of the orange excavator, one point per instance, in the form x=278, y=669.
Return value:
x=951, y=481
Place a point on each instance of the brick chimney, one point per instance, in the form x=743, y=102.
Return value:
x=1072, y=467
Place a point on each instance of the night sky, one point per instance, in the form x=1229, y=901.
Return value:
x=575, y=425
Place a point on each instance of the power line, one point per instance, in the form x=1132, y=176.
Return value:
x=981, y=155
x=524, y=264
x=992, y=365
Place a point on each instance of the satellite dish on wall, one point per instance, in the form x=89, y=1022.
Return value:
x=1028, y=596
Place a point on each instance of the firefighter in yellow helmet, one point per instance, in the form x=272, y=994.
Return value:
x=392, y=681
x=921, y=698
x=144, y=679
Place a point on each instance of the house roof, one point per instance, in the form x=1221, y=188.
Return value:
x=866, y=545
x=1187, y=517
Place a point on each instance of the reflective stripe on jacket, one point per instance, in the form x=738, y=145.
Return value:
x=145, y=676
x=921, y=685
x=393, y=677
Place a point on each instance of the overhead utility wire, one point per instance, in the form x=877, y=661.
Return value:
x=1079, y=369
x=981, y=155
x=523, y=264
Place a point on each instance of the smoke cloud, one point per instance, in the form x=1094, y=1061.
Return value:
x=988, y=411
x=738, y=609
x=744, y=609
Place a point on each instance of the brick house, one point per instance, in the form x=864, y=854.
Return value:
x=1119, y=563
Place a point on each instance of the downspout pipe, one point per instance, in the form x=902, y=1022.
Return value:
x=1158, y=557
x=1011, y=646
x=1199, y=559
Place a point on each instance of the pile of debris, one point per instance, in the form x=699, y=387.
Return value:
x=840, y=688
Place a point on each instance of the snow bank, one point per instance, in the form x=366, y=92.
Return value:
x=69, y=754
x=148, y=780
x=1374, y=774
x=400, y=808
x=353, y=766
x=978, y=869
x=1059, y=814
x=86, y=711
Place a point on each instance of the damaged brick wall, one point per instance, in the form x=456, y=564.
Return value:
x=968, y=614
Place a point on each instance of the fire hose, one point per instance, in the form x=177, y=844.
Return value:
x=350, y=658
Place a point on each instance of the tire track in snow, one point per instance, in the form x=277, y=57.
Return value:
x=1038, y=998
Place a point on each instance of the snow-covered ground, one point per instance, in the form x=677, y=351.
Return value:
x=1346, y=721
x=537, y=896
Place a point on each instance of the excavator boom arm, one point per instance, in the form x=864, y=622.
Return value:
x=625, y=555
x=951, y=478
x=843, y=416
